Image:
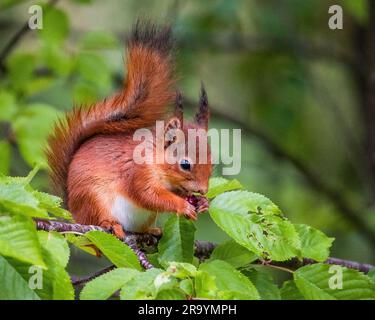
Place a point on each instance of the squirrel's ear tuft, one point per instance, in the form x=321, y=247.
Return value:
x=203, y=114
x=179, y=110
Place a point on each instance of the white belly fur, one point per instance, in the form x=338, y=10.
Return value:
x=130, y=217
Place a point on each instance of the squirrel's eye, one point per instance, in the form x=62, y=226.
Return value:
x=185, y=165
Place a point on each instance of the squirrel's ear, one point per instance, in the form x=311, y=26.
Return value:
x=171, y=131
x=203, y=114
x=179, y=110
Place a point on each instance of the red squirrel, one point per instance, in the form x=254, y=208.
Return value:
x=90, y=152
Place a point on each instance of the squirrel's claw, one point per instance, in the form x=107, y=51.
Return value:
x=190, y=211
x=202, y=204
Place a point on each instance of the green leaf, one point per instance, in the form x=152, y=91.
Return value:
x=141, y=286
x=181, y=270
x=14, y=198
x=31, y=128
x=52, y=204
x=20, y=68
x=170, y=294
x=358, y=9
x=177, y=243
x=56, y=245
x=12, y=285
x=56, y=283
x=289, y=291
x=82, y=243
x=59, y=280
x=233, y=253
x=186, y=285
x=31, y=246
x=322, y=282
x=165, y=281
x=254, y=222
x=93, y=68
x=104, y=286
x=56, y=60
x=314, y=243
x=154, y=259
x=371, y=274
x=18, y=239
x=243, y=202
x=232, y=283
x=205, y=285
x=220, y=185
x=115, y=250
x=6, y=4
x=5, y=153
x=84, y=93
x=36, y=85
x=264, y=283
x=55, y=26
x=17, y=197
x=98, y=40
x=8, y=106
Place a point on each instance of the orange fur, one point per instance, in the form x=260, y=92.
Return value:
x=148, y=90
x=91, y=151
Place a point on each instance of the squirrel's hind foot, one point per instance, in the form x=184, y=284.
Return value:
x=114, y=227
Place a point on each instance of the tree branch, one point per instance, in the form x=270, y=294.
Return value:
x=202, y=250
x=131, y=239
x=62, y=226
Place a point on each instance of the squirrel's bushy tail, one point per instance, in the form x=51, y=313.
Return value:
x=148, y=89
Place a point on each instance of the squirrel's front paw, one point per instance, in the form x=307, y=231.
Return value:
x=202, y=204
x=188, y=210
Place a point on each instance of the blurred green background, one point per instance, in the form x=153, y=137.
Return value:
x=298, y=90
